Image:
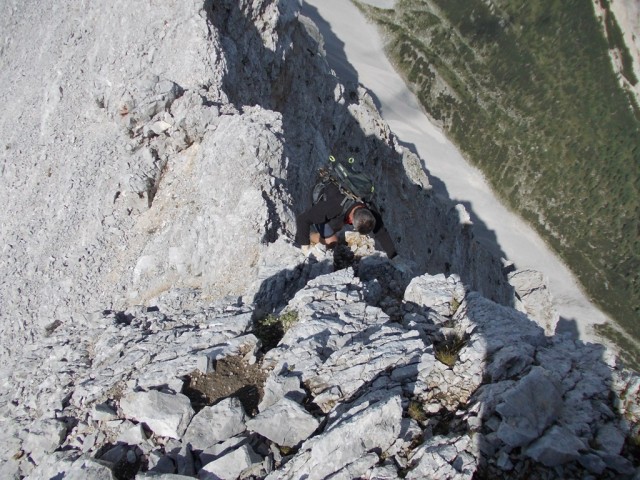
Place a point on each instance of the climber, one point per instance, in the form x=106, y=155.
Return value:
x=329, y=214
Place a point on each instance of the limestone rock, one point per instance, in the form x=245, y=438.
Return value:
x=133, y=436
x=443, y=458
x=436, y=293
x=220, y=449
x=286, y=423
x=161, y=476
x=44, y=437
x=230, y=465
x=246, y=346
x=610, y=439
x=555, y=447
x=166, y=415
x=279, y=387
x=346, y=441
x=349, y=368
x=527, y=410
x=103, y=412
x=214, y=424
x=153, y=192
x=75, y=469
x=532, y=290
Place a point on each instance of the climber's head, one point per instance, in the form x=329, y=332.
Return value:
x=363, y=221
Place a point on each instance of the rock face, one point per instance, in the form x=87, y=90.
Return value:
x=166, y=415
x=153, y=177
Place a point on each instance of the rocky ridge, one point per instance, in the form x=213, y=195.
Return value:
x=151, y=258
x=349, y=392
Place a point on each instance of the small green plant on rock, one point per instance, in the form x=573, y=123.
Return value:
x=416, y=411
x=271, y=329
x=447, y=350
x=455, y=305
x=289, y=319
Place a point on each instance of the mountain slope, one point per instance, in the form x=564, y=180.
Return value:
x=528, y=93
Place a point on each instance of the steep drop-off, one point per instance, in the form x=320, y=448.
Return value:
x=529, y=95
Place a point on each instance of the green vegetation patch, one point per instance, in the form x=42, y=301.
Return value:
x=447, y=350
x=416, y=411
x=271, y=329
x=527, y=91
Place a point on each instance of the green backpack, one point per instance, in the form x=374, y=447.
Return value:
x=355, y=185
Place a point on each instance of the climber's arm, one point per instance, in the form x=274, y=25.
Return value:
x=315, y=214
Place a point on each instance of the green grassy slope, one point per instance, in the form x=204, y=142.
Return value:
x=527, y=91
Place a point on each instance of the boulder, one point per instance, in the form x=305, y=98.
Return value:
x=43, y=437
x=437, y=293
x=165, y=414
x=529, y=408
x=348, y=439
x=555, y=447
x=286, y=423
x=531, y=287
x=230, y=465
x=216, y=423
x=278, y=387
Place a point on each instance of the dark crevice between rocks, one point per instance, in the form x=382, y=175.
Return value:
x=270, y=331
x=273, y=224
x=153, y=182
x=125, y=461
x=273, y=296
x=312, y=408
x=122, y=318
x=343, y=257
x=49, y=329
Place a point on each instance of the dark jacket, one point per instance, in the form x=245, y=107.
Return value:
x=330, y=210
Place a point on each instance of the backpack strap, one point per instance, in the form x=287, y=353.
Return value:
x=356, y=184
x=318, y=192
x=347, y=204
x=325, y=178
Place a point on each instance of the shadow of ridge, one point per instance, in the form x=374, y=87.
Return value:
x=554, y=405
x=348, y=75
x=483, y=234
x=438, y=186
x=425, y=227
